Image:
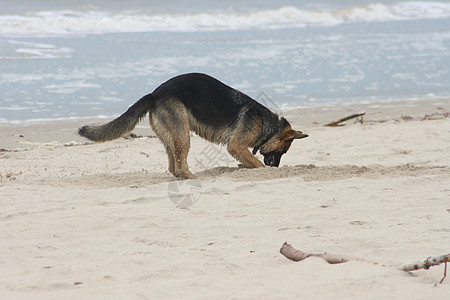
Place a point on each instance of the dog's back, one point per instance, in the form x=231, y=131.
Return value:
x=215, y=109
x=207, y=99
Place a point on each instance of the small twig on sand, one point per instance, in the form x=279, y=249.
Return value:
x=337, y=122
x=132, y=135
x=295, y=255
x=143, y=153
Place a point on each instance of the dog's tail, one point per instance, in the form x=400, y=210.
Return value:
x=120, y=126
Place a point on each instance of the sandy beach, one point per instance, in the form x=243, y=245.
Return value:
x=80, y=220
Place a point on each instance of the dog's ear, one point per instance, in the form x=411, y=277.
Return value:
x=255, y=150
x=294, y=134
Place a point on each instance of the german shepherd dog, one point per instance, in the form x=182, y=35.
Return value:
x=216, y=112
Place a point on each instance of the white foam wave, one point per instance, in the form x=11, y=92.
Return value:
x=39, y=50
x=75, y=22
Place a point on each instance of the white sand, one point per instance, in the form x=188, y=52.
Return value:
x=94, y=221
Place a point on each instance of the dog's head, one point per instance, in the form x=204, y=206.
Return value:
x=278, y=145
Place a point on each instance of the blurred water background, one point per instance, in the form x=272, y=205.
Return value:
x=72, y=59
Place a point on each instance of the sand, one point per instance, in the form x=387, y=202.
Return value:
x=98, y=221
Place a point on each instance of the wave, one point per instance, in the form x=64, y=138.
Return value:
x=94, y=21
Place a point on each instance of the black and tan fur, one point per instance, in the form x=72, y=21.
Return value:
x=216, y=112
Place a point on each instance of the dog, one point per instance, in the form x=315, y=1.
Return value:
x=215, y=111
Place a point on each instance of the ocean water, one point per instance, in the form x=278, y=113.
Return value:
x=88, y=59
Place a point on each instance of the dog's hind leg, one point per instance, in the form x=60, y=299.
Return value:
x=171, y=157
x=171, y=124
x=161, y=131
x=181, y=145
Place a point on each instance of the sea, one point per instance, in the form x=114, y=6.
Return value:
x=77, y=59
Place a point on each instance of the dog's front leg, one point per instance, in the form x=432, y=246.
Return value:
x=242, y=154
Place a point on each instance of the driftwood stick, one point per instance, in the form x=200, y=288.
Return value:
x=336, y=123
x=296, y=255
x=293, y=254
x=445, y=274
x=426, y=263
x=334, y=259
